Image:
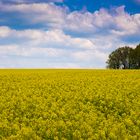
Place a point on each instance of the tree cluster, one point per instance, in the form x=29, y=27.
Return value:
x=124, y=58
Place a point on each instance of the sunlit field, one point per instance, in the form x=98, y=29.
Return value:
x=69, y=104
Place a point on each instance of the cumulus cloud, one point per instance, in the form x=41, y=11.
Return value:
x=78, y=39
x=53, y=45
x=47, y=14
x=115, y=21
x=55, y=38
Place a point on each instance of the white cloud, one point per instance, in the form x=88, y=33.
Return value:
x=91, y=56
x=47, y=13
x=4, y=31
x=115, y=21
x=55, y=38
x=126, y=24
x=19, y=50
x=77, y=39
x=53, y=45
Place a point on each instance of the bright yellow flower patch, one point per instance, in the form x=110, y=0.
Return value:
x=69, y=104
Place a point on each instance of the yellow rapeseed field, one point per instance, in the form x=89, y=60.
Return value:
x=69, y=104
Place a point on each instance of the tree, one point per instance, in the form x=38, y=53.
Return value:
x=120, y=58
x=137, y=56
x=113, y=61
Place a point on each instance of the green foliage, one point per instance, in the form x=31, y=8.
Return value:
x=136, y=57
x=69, y=104
x=124, y=57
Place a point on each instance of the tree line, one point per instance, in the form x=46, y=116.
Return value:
x=124, y=58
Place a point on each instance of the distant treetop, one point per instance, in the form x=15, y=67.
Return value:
x=124, y=58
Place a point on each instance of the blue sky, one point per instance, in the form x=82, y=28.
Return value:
x=65, y=33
